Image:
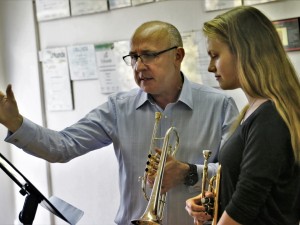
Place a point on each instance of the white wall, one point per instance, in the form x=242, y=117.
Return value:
x=90, y=182
x=6, y=193
x=20, y=68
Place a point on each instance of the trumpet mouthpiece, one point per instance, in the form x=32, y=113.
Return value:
x=206, y=154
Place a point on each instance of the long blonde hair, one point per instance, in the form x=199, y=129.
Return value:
x=264, y=68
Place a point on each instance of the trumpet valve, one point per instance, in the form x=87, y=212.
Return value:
x=207, y=200
x=151, y=164
x=149, y=170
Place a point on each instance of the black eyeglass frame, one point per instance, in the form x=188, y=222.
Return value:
x=136, y=56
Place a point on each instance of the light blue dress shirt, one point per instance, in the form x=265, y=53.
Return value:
x=202, y=116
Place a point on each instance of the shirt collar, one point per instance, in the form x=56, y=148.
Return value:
x=185, y=96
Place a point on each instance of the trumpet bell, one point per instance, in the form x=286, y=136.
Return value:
x=149, y=218
x=145, y=222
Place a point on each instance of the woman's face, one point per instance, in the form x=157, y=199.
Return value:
x=223, y=64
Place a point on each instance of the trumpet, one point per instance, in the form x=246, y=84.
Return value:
x=153, y=214
x=210, y=204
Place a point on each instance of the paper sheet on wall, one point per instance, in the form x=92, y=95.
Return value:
x=114, y=4
x=211, y=5
x=80, y=7
x=140, y=2
x=52, y=9
x=190, y=65
x=126, y=77
x=82, y=62
x=58, y=94
x=107, y=68
x=254, y=2
x=196, y=60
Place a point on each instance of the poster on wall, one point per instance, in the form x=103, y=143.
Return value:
x=196, y=59
x=254, y=2
x=190, y=65
x=81, y=7
x=212, y=5
x=115, y=4
x=57, y=84
x=82, y=62
x=289, y=33
x=107, y=68
x=52, y=9
x=140, y=2
x=126, y=76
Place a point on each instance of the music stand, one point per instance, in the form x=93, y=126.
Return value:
x=34, y=197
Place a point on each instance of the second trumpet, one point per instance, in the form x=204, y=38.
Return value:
x=210, y=204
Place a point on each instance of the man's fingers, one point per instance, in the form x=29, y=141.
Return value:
x=9, y=92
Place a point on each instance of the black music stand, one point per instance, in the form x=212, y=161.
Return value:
x=34, y=197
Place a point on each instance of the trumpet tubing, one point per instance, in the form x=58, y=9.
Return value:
x=211, y=207
x=216, y=194
x=153, y=214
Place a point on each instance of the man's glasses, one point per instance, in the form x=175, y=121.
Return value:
x=146, y=58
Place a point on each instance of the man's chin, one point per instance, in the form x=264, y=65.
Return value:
x=146, y=88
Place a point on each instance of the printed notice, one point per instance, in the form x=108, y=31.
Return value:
x=190, y=65
x=254, y=2
x=211, y=5
x=52, y=9
x=56, y=79
x=126, y=75
x=107, y=68
x=81, y=7
x=114, y=4
x=140, y=2
x=196, y=59
x=82, y=62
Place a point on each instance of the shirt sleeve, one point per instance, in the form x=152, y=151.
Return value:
x=212, y=170
x=92, y=132
x=230, y=113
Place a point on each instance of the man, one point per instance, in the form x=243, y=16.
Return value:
x=202, y=116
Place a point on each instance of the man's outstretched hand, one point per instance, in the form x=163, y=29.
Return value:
x=9, y=112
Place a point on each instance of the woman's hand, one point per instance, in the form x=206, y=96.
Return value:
x=196, y=210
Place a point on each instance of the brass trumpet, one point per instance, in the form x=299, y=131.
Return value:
x=211, y=206
x=153, y=214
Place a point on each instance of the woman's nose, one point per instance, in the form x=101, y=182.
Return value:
x=211, y=68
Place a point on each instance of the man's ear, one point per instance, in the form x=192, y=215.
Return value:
x=180, y=54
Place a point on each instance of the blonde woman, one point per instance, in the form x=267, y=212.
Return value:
x=260, y=179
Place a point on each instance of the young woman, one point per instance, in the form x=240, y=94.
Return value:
x=260, y=176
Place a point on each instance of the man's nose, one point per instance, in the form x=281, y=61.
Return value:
x=139, y=65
